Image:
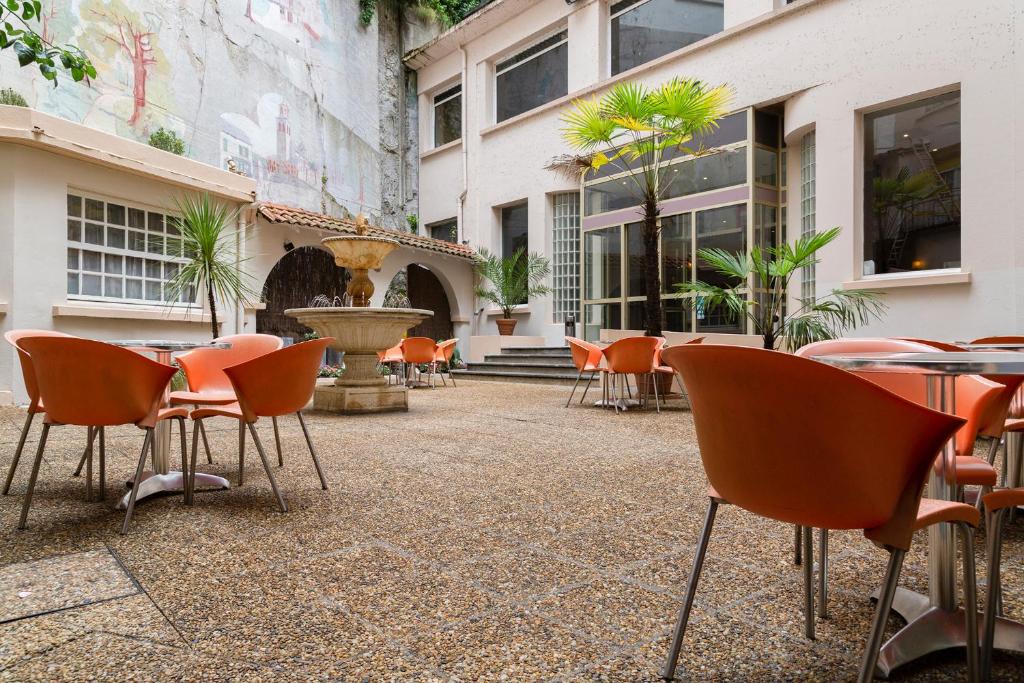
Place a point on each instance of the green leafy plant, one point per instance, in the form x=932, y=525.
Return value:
x=771, y=269
x=17, y=33
x=331, y=371
x=167, y=140
x=207, y=237
x=632, y=127
x=414, y=222
x=12, y=97
x=447, y=12
x=513, y=280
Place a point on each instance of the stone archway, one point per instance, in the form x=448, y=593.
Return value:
x=425, y=290
x=301, y=275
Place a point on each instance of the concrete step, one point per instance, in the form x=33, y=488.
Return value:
x=514, y=366
x=519, y=377
x=537, y=351
x=532, y=359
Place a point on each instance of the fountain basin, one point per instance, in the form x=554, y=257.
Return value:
x=360, y=332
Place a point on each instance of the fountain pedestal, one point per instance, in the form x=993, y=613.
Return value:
x=359, y=333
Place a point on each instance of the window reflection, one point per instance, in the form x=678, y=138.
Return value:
x=642, y=31
x=723, y=228
x=603, y=273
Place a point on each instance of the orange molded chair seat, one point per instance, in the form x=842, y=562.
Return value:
x=196, y=398
x=232, y=410
x=172, y=413
x=1014, y=424
x=932, y=511
x=972, y=471
x=1004, y=498
x=204, y=368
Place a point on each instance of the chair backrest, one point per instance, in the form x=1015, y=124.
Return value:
x=632, y=355
x=445, y=350
x=204, y=368
x=418, y=349
x=657, y=355
x=280, y=382
x=28, y=373
x=392, y=355
x=86, y=382
x=976, y=397
x=806, y=443
x=583, y=353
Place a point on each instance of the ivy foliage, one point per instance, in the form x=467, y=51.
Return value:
x=448, y=12
x=12, y=97
x=17, y=33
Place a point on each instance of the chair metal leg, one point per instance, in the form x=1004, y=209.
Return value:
x=190, y=487
x=103, y=463
x=277, y=442
x=657, y=399
x=995, y=551
x=206, y=443
x=241, y=451
x=88, y=462
x=146, y=445
x=797, y=555
x=823, y=573
x=23, y=522
x=266, y=466
x=571, y=393
x=808, y=534
x=451, y=376
x=970, y=601
x=885, y=596
x=184, y=457
x=669, y=672
x=993, y=448
x=85, y=453
x=587, y=388
x=17, y=452
x=312, y=452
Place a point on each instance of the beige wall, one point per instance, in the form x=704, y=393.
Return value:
x=33, y=258
x=829, y=61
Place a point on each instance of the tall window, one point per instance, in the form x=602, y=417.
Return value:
x=448, y=116
x=807, y=208
x=912, y=186
x=447, y=231
x=643, y=30
x=121, y=252
x=533, y=77
x=515, y=231
x=565, y=261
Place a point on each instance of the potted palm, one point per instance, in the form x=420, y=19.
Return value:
x=207, y=242
x=633, y=128
x=770, y=269
x=513, y=280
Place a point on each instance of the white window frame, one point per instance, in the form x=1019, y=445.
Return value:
x=433, y=112
x=513, y=55
x=124, y=252
x=808, y=209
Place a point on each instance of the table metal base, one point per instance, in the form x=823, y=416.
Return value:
x=624, y=403
x=931, y=629
x=172, y=482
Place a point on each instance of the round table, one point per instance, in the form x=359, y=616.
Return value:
x=934, y=622
x=163, y=479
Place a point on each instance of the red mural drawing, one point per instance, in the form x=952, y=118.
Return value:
x=136, y=44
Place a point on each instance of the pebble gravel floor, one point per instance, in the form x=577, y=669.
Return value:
x=489, y=534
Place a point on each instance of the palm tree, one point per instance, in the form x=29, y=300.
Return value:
x=513, y=279
x=632, y=127
x=206, y=240
x=771, y=269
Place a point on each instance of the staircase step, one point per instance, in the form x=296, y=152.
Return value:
x=547, y=370
x=533, y=359
x=508, y=376
x=537, y=351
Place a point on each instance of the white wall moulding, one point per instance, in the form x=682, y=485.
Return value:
x=928, y=279
x=454, y=144
x=83, y=309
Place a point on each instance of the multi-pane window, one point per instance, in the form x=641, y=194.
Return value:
x=643, y=30
x=565, y=262
x=807, y=208
x=533, y=77
x=447, y=231
x=122, y=252
x=448, y=116
x=515, y=232
x=912, y=186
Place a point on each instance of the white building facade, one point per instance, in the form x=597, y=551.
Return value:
x=900, y=122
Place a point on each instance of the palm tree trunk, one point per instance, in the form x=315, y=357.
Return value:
x=652, y=277
x=213, y=309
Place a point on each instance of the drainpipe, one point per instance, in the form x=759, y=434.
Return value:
x=239, y=245
x=461, y=215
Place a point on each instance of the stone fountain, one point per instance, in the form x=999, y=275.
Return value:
x=360, y=331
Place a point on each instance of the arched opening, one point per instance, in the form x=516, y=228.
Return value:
x=416, y=286
x=299, y=277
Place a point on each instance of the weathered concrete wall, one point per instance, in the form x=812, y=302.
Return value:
x=287, y=89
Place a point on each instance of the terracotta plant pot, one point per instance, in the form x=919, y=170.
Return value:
x=506, y=326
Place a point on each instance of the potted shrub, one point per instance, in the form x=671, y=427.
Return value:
x=513, y=280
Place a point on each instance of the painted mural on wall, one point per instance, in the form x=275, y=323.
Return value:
x=284, y=90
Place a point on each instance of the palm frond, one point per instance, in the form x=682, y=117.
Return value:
x=513, y=279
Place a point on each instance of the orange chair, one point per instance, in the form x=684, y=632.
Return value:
x=92, y=384
x=209, y=386
x=630, y=356
x=999, y=506
x=660, y=367
x=274, y=384
x=1014, y=423
x=587, y=359
x=443, y=357
x=858, y=460
x=392, y=358
x=417, y=351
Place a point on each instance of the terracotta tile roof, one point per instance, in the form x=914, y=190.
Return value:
x=280, y=213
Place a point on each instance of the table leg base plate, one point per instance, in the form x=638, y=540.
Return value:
x=172, y=482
